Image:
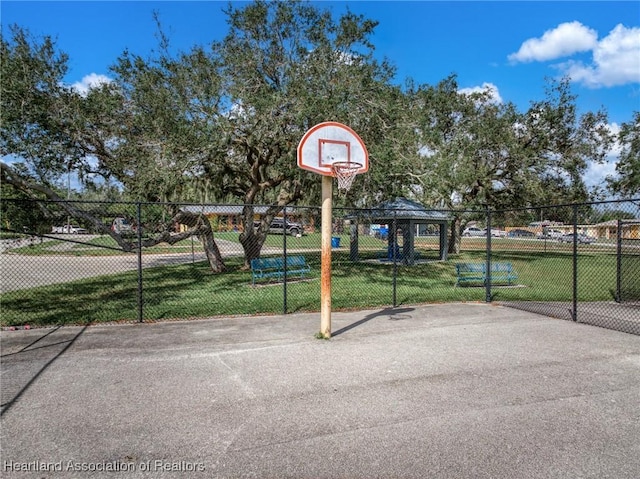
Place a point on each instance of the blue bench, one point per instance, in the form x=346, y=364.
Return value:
x=477, y=273
x=387, y=254
x=262, y=268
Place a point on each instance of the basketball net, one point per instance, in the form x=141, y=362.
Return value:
x=345, y=172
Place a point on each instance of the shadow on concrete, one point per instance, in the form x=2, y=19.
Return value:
x=394, y=314
x=14, y=375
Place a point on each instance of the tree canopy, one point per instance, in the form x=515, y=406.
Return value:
x=627, y=181
x=221, y=123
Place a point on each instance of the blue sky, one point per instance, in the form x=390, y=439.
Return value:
x=510, y=47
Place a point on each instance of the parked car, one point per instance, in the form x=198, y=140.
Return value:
x=69, y=229
x=580, y=238
x=496, y=233
x=277, y=227
x=521, y=234
x=122, y=226
x=474, y=232
x=550, y=233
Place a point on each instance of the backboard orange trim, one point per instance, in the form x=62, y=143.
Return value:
x=328, y=142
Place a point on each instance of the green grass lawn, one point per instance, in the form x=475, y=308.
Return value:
x=193, y=291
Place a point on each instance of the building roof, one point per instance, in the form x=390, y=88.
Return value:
x=625, y=222
x=222, y=209
x=404, y=209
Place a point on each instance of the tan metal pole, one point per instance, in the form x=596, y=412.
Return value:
x=325, y=269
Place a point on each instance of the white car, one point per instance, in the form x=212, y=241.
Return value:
x=69, y=229
x=580, y=239
x=122, y=226
x=551, y=234
x=474, y=232
x=497, y=233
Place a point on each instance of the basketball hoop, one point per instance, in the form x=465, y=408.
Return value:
x=317, y=151
x=346, y=172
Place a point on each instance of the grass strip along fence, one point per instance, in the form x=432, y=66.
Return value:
x=192, y=291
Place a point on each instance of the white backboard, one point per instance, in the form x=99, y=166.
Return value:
x=329, y=142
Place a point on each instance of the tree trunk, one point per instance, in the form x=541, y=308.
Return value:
x=212, y=251
x=252, y=238
x=203, y=230
x=198, y=223
x=252, y=245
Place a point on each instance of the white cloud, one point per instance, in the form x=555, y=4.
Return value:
x=487, y=88
x=426, y=152
x=564, y=40
x=616, y=60
x=597, y=172
x=614, y=129
x=90, y=81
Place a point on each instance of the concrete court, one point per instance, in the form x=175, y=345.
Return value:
x=467, y=390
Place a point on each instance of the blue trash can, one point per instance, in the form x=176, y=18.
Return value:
x=390, y=252
x=335, y=242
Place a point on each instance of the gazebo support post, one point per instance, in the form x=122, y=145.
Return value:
x=353, y=240
x=408, y=252
x=444, y=241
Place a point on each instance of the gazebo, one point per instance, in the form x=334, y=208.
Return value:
x=405, y=215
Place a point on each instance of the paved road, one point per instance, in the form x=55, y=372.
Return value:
x=21, y=271
x=26, y=271
x=441, y=391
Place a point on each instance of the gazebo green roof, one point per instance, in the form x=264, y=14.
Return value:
x=404, y=209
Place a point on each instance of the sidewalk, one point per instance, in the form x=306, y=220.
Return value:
x=440, y=391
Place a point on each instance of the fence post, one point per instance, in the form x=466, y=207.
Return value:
x=139, y=234
x=574, y=311
x=618, y=261
x=284, y=256
x=394, y=244
x=487, y=284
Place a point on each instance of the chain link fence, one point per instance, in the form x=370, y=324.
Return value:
x=574, y=261
x=98, y=265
